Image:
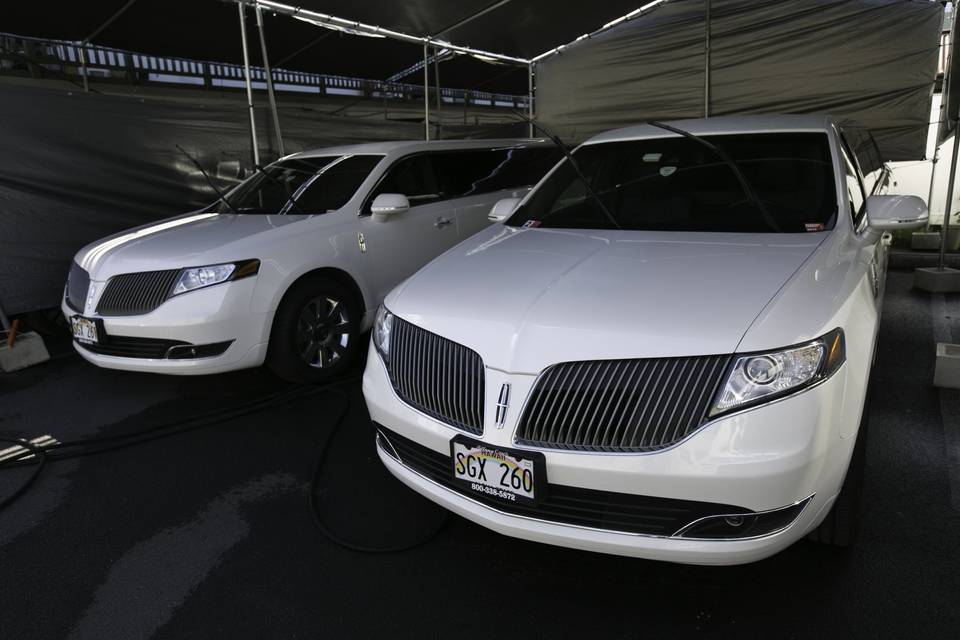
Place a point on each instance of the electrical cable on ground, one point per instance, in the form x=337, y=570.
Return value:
x=40, y=456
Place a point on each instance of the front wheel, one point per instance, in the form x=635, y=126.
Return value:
x=315, y=332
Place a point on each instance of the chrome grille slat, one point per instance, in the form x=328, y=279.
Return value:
x=437, y=376
x=620, y=405
x=131, y=294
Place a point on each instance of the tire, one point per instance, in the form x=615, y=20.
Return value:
x=315, y=332
x=840, y=527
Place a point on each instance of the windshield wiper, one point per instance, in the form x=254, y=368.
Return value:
x=209, y=181
x=748, y=189
x=282, y=188
x=573, y=163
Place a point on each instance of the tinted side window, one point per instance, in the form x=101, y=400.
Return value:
x=466, y=173
x=460, y=172
x=520, y=167
x=412, y=177
x=335, y=185
x=855, y=193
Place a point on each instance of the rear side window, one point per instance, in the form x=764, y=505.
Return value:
x=333, y=187
x=467, y=173
x=520, y=167
x=413, y=177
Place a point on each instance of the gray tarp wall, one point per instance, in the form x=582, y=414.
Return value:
x=76, y=167
x=874, y=61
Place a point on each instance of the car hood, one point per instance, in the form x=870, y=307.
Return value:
x=193, y=239
x=527, y=298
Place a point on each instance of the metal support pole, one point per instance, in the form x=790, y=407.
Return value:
x=83, y=44
x=266, y=69
x=436, y=81
x=933, y=171
x=942, y=117
x=530, y=130
x=949, y=204
x=426, y=93
x=706, y=64
x=246, y=75
x=83, y=66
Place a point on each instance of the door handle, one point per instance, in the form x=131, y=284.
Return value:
x=442, y=222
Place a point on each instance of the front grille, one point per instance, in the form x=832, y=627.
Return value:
x=437, y=376
x=620, y=405
x=134, y=294
x=78, y=282
x=624, y=512
x=125, y=347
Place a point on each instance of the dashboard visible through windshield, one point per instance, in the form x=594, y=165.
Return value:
x=678, y=184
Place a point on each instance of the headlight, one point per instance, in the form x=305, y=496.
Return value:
x=198, y=277
x=382, y=325
x=760, y=377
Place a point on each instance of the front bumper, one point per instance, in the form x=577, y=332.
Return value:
x=208, y=316
x=762, y=459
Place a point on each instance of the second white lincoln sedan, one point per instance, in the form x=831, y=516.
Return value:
x=664, y=350
x=288, y=267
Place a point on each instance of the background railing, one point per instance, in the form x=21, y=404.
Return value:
x=63, y=57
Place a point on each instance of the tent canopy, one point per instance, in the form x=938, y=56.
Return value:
x=872, y=61
x=208, y=30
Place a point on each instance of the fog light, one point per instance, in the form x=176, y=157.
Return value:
x=749, y=524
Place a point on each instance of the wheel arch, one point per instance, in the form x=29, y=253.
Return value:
x=333, y=273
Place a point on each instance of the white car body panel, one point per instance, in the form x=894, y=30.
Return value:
x=570, y=298
x=288, y=246
x=526, y=299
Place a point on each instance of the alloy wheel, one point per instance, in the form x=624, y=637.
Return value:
x=323, y=332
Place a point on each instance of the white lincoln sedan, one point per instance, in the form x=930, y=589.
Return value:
x=663, y=351
x=288, y=267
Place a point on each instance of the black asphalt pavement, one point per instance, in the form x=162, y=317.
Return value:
x=209, y=532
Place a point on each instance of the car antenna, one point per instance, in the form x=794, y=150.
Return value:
x=277, y=182
x=209, y=181
x=748, y=189
x=566, y=152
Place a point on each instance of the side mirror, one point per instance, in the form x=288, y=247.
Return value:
x=388, y=204
x=891, y=213
x=503, y=209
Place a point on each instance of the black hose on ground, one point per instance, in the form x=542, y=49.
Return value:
x=41, y=460
x=41, y=455
x=316, y=488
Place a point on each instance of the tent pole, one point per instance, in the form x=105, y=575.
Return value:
x=436, y=80
x=83, y=66
x=944, y=117
x=266, y=69
x=949, y=205
x=706, y=63
x=941, y=119
x=83, y=44
x=246, y=75
x=426, y=93
x=530, y=131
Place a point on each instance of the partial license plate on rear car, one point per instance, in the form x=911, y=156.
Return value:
x=509, y=475
x=84, y=329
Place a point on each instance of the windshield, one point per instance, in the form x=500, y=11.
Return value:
x=317, y=185
x=677, y=184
